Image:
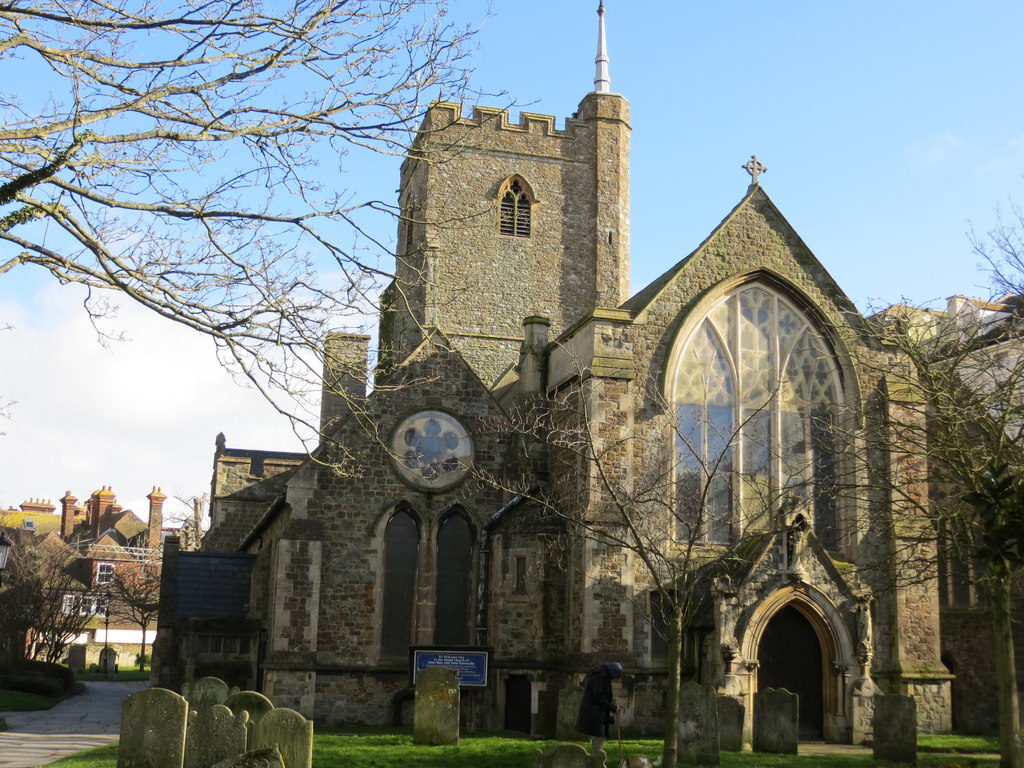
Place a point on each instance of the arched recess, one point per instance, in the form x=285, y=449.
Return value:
x=515, y=207
x=829, y=629
x=760, y=386
x=400, y=544
x=453, y=608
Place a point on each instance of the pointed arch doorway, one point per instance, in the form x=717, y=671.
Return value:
x=791, y=655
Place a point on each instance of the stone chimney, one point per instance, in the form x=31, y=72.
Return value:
x=39, y=506
x=346, y=363
x=67, y=515
x=99, y=511
x=156, y=517
x=532, y=355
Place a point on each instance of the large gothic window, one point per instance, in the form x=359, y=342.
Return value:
x=756, y=392
x=454, y=567
x=401, y=547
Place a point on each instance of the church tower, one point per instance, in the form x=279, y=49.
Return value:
x=504, y=220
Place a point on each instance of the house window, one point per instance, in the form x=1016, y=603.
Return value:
x=401, y=552
x=28, y=525
x=454, y=566
x=104, y=573
x=756, y=392
x=83, y=604
x=515, y=208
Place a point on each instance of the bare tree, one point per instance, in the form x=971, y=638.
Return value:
x=135, y=593
x=671, y=514
x=45, y=607
x=185, y=156
x=964, y=371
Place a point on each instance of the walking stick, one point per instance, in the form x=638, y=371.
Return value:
x=618, y=734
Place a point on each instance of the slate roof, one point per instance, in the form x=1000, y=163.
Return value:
x=213, y=584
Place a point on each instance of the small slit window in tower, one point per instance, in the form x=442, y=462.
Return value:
x=515, y=211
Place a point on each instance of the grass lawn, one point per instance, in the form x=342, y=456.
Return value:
x=376, y=748
x=123, y=673
x=16, y=701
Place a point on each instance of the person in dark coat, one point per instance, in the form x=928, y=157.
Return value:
x=597, y=706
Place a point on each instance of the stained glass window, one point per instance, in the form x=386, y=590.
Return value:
x=401, y=545
x=756, y=392
x=454, y=567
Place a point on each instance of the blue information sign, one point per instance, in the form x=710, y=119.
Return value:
x=469, y=665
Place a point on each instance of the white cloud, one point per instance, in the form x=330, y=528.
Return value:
x=136, y=414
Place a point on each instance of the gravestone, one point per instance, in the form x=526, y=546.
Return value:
x=265, y=757
x=698, y=725
x=205, y=692
x=568, y=709
x=436, y=716
x=214, y=734
x=291, y=732
x=256, y=704
x=76, y=658
x=895, y=728
x=568, y=756
x=776, y=721
x=152, y=730
x=730, y=724
x=108, y=660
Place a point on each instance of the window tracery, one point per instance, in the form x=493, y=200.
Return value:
x=756, y=393
x=515, y=206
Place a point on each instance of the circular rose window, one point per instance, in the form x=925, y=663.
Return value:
x=432, y=450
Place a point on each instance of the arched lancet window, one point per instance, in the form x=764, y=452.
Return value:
x=756, y=391
x=516, y=201
x=454, y=571
x=401, y=548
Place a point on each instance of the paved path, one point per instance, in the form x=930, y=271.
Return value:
x=88, y=719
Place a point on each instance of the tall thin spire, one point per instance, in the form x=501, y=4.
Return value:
x=602, y=82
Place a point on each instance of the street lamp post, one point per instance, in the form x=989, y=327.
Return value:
x=5, y=550
x=106, y=634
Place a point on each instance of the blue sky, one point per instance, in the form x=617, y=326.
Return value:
x=887, y=129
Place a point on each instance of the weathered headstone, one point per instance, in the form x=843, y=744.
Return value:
x=264, y=757
x=214, y=734
x=205, y=692
x=436, y=718
x=256, y=704
x=568, y=756
x=698, y=724
x=730, y=724
x=291, y=732
x=776, y=721
x=108, y=660
x=895, y=728
x=76, y=658
x=152, y=730
x=568, y=708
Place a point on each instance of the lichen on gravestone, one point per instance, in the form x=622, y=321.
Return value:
x=290, y=732
x=205, y=692
x=264, y=757
x=436, y=709
x=152, y=730
x=214, y=734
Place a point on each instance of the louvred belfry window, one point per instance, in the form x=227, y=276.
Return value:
x=516, y=206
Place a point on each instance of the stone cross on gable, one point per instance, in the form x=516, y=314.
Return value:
x=754, y=168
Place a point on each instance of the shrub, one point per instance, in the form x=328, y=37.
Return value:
x=39, y=677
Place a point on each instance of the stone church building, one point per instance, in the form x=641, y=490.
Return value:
x=542, y=449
